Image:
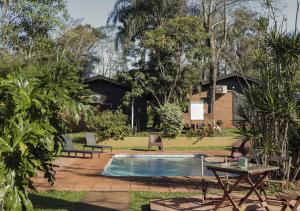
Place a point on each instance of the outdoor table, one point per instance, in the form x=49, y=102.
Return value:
x=243, y=173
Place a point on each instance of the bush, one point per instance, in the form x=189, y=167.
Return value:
x=171, y=119
x=109, y=124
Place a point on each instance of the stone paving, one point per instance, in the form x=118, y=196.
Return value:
x=84, y=174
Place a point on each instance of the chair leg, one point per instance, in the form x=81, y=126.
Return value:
x=297, y=204
x=204, y=190
x=284, y=207
x=98, y=155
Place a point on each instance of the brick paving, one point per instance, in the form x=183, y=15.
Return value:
x=84, y=174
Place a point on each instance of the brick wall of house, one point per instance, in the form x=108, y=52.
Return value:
x=223, y=109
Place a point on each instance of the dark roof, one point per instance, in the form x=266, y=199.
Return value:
x=233, y=75
x=103, y=78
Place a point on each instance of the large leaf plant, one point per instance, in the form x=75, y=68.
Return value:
x=34, y=101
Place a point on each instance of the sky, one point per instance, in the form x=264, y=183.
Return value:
x=96, y=12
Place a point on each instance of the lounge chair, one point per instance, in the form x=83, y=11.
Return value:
x=155, y=140
x=69, y=148
x=91, y=143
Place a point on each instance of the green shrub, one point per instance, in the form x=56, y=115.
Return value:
x=109, y=124
x=171, y=119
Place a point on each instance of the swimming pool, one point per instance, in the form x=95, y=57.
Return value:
x=156, y=165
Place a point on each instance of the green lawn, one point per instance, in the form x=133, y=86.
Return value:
x=55, y=200
x=139, y=143
x=65, y=200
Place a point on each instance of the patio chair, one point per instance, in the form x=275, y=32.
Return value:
x=91, y=143
x=155, y=140
x=70, y=149
x=281, y=176
x=286, y=197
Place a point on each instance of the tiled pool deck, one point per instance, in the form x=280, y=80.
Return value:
x=78, y=174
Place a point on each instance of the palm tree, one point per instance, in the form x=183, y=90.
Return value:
x=133, y=17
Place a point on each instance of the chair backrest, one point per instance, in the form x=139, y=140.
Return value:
x=284, y=164
x=155, y=139
x=68, y=142
x=90, y=138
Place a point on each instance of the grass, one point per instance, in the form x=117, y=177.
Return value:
x=175, y=144
x=55, y=200
x=140, y=200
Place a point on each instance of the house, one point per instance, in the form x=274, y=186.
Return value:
x=108, y=94
x=228, y=97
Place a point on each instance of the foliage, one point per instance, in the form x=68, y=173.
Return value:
x=170, y=71
x=111, y=60
x=77, y=44
x=134, y=17
x=172, y=119
x=40, y=91
x=270, y=108
x=33, y=100
x=28, y=23
x=109, y=124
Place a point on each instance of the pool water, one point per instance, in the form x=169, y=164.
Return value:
x=156, y=165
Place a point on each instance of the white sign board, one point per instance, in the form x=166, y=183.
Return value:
x=197, y=111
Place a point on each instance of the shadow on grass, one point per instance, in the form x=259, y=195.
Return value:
x=146, y=207
x=50, y=203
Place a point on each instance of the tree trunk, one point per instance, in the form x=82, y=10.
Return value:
x=213, y=76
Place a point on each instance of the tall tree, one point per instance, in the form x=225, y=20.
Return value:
x=111, y=60
x=170, y=71
x=214, y=15
x=78, y=45
x=25, y=22
x=136, y=16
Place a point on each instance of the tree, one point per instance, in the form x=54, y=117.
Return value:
x=78, y=45
x=217, y=19
x=271, y=107
x=214, y=15
x=136, y=16
x=169, y=73
x=111, y=60
x=25, y=22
